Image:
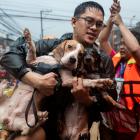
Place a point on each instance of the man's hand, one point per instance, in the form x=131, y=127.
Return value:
x=116, y=19
x=115, y=8
x=45, y=84
x=81, y=93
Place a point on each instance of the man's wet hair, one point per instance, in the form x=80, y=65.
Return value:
x=80, y=9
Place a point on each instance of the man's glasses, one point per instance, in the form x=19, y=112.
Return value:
x=90, y=22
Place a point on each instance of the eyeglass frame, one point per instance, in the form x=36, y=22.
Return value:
x=91, y=22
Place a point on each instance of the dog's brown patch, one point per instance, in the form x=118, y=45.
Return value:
x=65, y=47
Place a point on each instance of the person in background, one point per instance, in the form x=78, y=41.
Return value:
x=87, y=23
x=122, y=124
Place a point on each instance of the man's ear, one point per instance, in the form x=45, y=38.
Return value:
x=73, y=21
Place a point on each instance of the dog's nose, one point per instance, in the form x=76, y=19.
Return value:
x=88, y=59
x=72, y=60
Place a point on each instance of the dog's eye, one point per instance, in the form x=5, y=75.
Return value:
x=69, y=46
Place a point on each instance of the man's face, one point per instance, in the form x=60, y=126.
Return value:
x=88, y=26
x=125, y=54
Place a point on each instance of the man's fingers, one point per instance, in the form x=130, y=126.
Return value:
x=115, y=1
x=80, y=83
x=115, y=8
x=75, y=82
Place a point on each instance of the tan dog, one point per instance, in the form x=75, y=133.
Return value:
x=14, y=116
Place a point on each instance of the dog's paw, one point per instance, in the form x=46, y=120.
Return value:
x=113, y=102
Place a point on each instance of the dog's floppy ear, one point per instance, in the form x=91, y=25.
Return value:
x=58, y=52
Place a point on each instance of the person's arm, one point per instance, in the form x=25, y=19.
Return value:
x=129, y=39
x=105, y=33
x=44, y=83
x=14, y=62
x=104, y=38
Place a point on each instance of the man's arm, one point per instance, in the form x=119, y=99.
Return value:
x=14, y=62
x=44, y=83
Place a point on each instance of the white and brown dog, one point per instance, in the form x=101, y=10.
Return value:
x=14, y=117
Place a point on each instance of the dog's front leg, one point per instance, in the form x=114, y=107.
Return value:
x=67, y=80
x=66, y=77
x=110, y=100
x=99, y=83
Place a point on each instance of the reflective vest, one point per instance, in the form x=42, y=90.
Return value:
x=131, y=74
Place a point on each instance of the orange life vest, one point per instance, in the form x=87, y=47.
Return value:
x=131, y=73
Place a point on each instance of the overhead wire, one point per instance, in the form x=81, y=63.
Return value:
x=33, y=9
x=8, y=23
x=35, y=17
x=29, y=12
x=34, y=6
x=5, y=32
x=11, y=19
x=7, y=27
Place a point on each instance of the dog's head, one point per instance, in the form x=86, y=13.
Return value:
x=90, y=66
x=67, y=53
x=91, y=60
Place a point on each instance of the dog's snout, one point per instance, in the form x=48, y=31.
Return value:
x=88, y=59
x=72, y=60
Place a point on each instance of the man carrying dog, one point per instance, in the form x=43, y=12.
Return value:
x=87, y=23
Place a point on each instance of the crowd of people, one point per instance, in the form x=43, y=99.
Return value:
x=112, y=123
